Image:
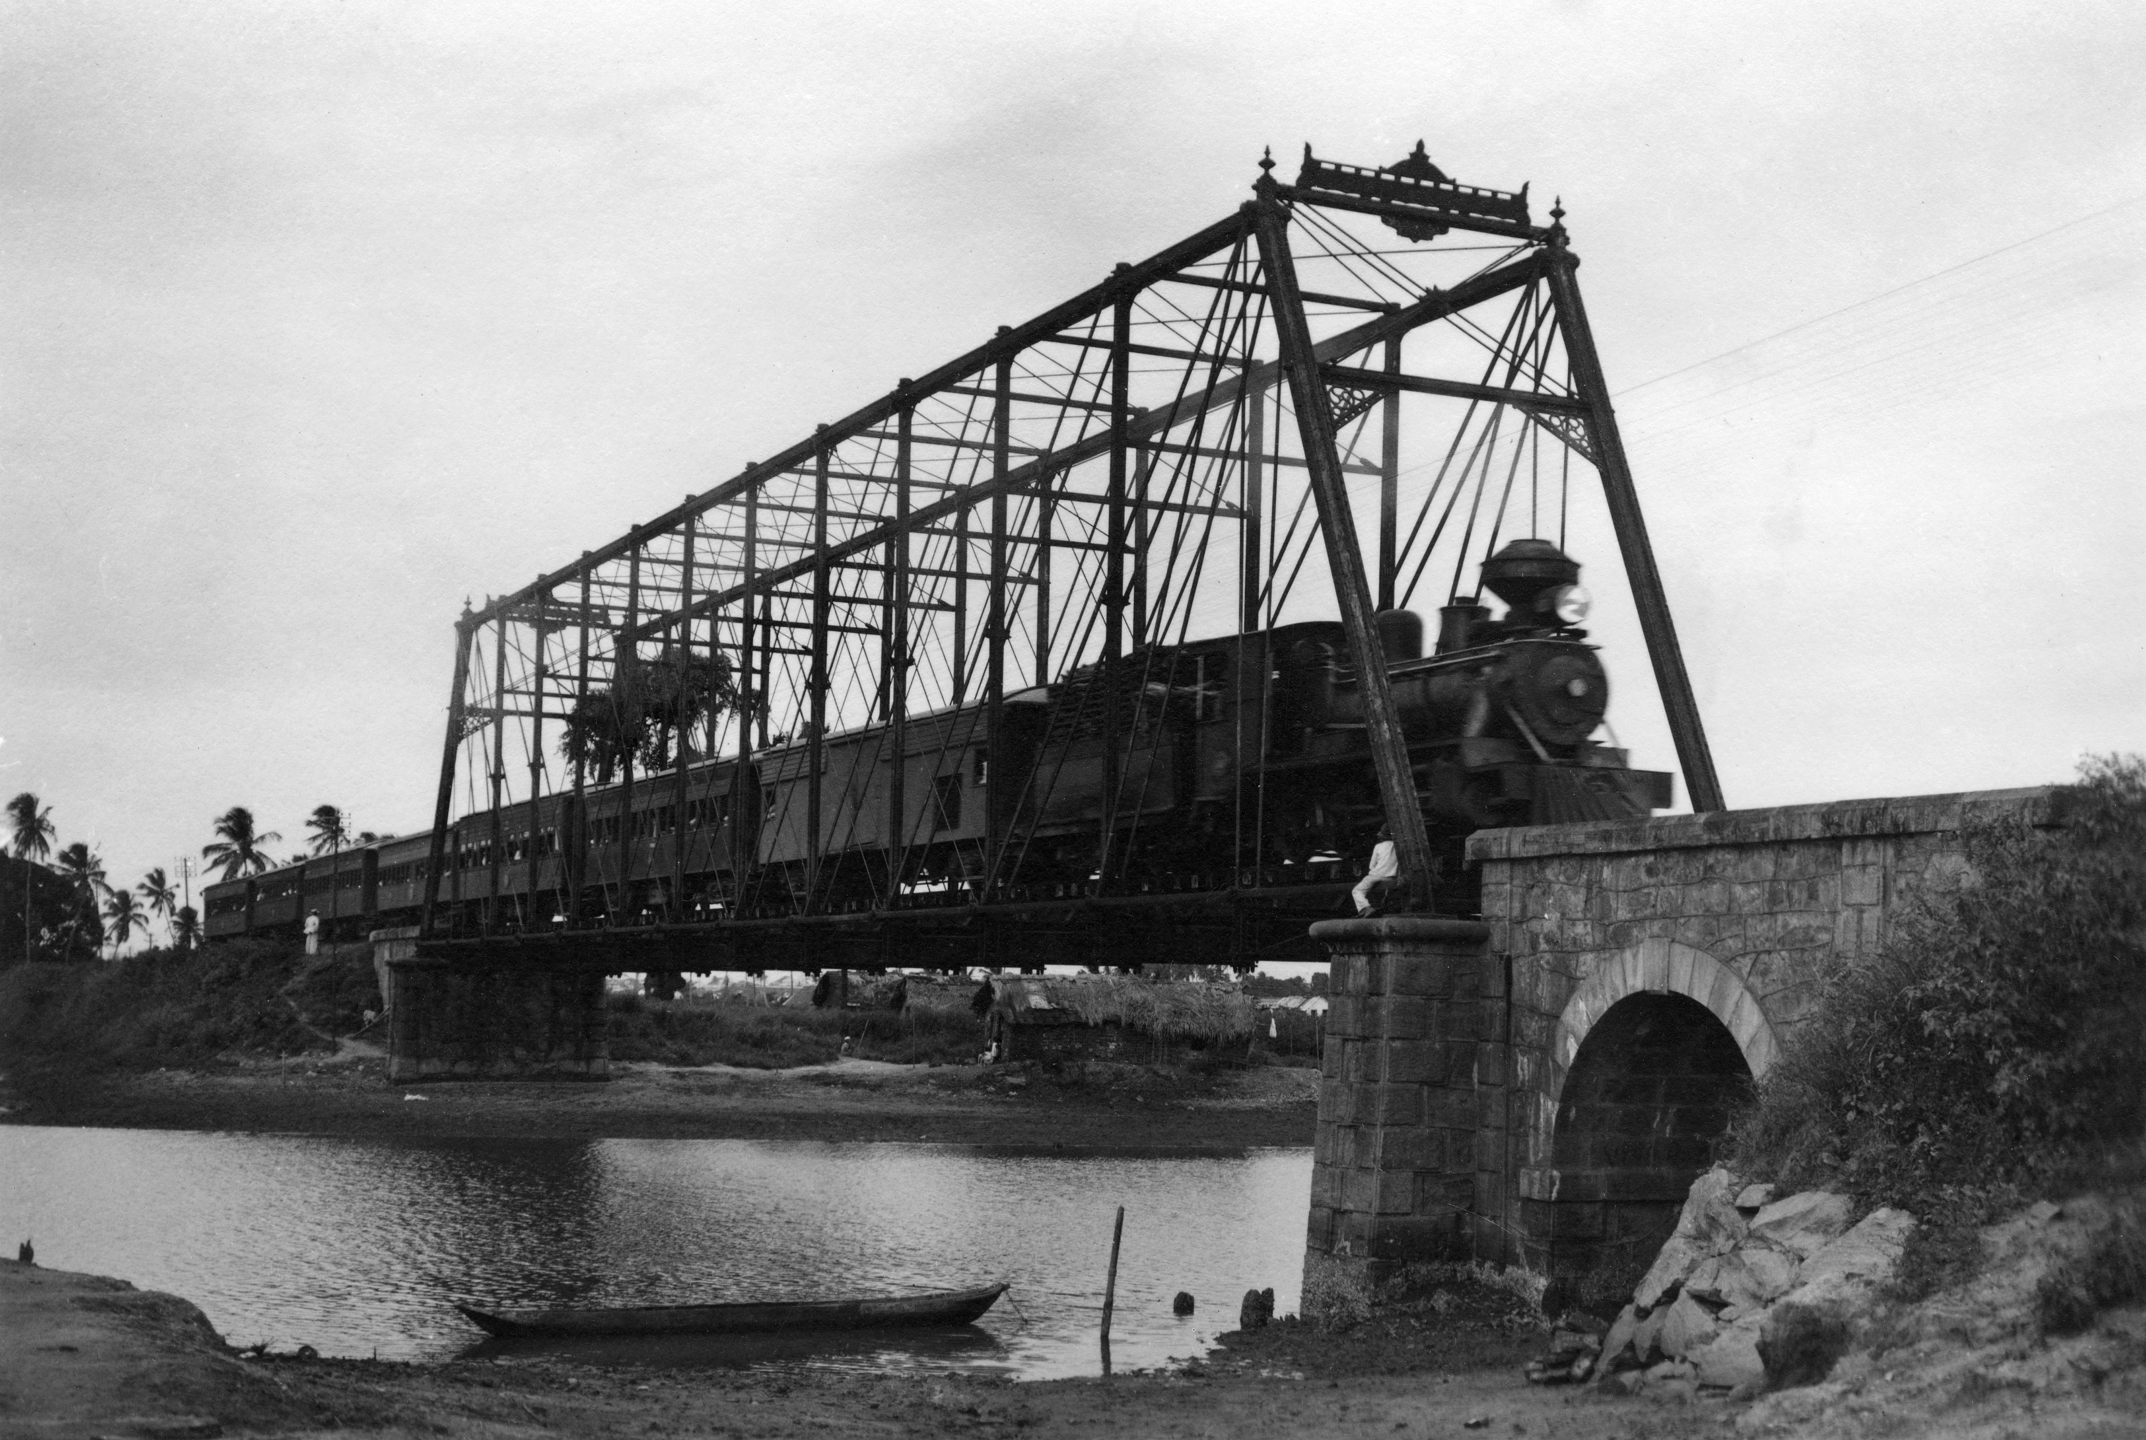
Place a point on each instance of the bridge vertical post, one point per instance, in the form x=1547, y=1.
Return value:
x=896, y=622
x=681, y=835
x=961, y=606
x=444, y=798
x=498, y=777
x=1121, y=325
x=995, y=813
x=1251, y=534
x=1389, y=476
x=531, y=850
x=625, y=660
x=1322, y=467
x=816, y=738
x=745, y=806
x=574, y=839
x=1670, y=677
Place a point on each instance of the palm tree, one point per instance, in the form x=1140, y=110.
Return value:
x=32, y=824
x=157, y=894
x=123, y=917
x=238, y=848
x=331, y=829
x=85, y=867
x=32, y=840
x=85, y=870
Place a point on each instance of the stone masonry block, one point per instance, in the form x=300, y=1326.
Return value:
x=1416, y=1062
x=1399, y=1017
x=1863, y=885
x=1359, y=1192
x=1396, y=1192
x=1421, y=975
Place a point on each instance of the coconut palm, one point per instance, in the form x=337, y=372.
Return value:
x=238, y=848
x=122, y=917
x=31, y=840
x=185, y=927
x=32, y=825
x=330, y=827
x=85, y=868
x=83, y=929
x=157, y=894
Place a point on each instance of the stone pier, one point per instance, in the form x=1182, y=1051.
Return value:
x=1407, y=1155
x=1540, y=1090
x=453, y=1022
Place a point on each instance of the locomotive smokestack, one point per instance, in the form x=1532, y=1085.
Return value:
x=1523, y=572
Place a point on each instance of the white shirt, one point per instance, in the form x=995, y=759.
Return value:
x=1385, y=862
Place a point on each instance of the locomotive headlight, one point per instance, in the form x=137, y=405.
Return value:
x=1570, y=603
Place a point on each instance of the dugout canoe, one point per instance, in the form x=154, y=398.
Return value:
x=936, y=1307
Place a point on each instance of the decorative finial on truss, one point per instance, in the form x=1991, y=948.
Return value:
x=1266, y=161
x=1557, y=210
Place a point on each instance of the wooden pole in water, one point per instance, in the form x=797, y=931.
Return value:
x=1110, y=1285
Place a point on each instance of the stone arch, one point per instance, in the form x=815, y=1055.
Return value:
x=1664, y=967
x=1645, y=1062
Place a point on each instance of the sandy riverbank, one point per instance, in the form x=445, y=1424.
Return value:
x=1119, y=1108
x=83, y=1356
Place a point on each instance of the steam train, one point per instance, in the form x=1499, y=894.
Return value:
x=1241, y=765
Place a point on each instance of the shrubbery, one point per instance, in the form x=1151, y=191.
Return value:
x=1995, y=1047
x=245, y=997
x=717, y=1032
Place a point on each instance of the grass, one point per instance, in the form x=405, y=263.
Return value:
x=695, y=1031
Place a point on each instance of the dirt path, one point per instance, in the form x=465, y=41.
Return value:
x=1133, y=1110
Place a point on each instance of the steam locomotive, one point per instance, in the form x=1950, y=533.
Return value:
x=1241, y=765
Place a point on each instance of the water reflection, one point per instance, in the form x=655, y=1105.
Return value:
x=358, y=1247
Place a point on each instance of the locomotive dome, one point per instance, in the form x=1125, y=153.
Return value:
x=1525, y=568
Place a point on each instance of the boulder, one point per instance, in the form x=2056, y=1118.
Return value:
x=1647, y=1336
x=1798, y=1344
x=1754, y=1197
x=1709, y=1217
x=1732, y=1361
x=1707, y=1226
x=1617, y=1345
x=1257, y=1309
x=1686, y=1326
x=1844, y=1271
x=1744, y=1278
x=1803, y=1223
x=1678, y=1257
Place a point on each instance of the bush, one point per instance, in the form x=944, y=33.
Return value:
x=1992, y=1049
x=716, y=1032
x=168, y=1008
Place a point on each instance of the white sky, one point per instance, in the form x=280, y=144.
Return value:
x=319, y=318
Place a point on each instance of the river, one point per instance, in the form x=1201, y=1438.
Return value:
x=360, y=1247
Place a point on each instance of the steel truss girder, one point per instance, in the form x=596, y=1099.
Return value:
x=756, y=600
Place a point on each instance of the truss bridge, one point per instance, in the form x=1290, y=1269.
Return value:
x=1099, y=644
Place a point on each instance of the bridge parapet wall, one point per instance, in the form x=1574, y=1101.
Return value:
x=1737, y=914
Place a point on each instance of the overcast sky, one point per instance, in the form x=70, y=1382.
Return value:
x=319, y=318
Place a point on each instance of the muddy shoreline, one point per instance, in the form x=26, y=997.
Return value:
x=1129, y=1110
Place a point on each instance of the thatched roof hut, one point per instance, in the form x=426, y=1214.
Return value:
x=1057, y=1017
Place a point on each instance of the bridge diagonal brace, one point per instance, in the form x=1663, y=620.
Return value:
x=1299, y=363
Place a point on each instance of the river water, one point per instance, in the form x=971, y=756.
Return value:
x=360, y=1247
